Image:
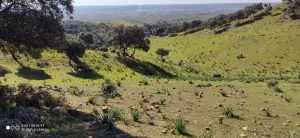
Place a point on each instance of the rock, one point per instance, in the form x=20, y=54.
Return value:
x=220, y=105
x=178, y=110
x=285, y=124
x=243, y=136
x=172, y=131
x=207, y=129
x=297, y=124
x=155, y=103
x=105, y=109
x=151, y=123
x=245, y=128
x=267, y=134
x=164, y=131
x=289, y=121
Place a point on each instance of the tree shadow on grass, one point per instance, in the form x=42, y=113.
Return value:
x=33, y=74
x=62, y=123
x=86, y=75
x=256, y=18
x=145, y=68
x=3, y=71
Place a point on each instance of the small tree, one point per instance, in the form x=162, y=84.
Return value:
x=130, y=37
x=162, y=52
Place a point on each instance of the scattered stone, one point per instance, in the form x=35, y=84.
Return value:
x=172, y=131
x=243, y=136
x=221, y=118
x=178, y=110
x=289, y=121
x=245, y=128
x=164, y=131
x=156, y=106
x=285, y=124
x=155, y=103
x=267, y=134
x=105, y=109
x=220, y=105
x=297, y=124
x=151, y=123
x=207, y=129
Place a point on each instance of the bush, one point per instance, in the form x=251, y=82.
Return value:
x=135, y=114
x=267, y=111
x=42, y=64
x=179, y=124
x=272, y=83
x=115, y=113
x=144, y=82
x=162, y=101
x=28, y=96
x=287, y=99
x=109, y=121
x=109, y=89
x=93, y=101
x=73, y=90
x=204, y=85
x=277, y=89
x=6, y=97
x=228, y=112
x=125, y=120
x=119, y=83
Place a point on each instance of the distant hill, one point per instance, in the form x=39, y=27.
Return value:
x=154, y=13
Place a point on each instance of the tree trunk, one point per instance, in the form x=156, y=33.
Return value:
x=132, y=55
x=16, y=59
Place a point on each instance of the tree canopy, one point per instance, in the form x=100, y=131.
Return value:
x=29, y=26
x=130, y=37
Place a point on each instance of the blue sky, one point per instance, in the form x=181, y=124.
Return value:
x=140, y=2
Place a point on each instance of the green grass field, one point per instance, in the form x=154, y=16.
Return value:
x=271, y=51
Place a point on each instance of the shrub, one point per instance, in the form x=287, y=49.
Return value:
x=272, y=83
x=73, y=90
x=125, y=120
x=267, y=111
x=191, y=82
x=223, y=93
x=28, y=96
x=277, y=89
x=119, y=83
x=6, y=97
x=109, y=89
x=288, y=99
x=162, y=101
x=144, y=82
x=204, y=85
x=135, y=114
x=92, y=101
x=179, y=124
x=163, y=91
x=108, y=120
x=115, y=113
x=227, y=111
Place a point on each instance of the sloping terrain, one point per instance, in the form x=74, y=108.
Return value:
x=255, y=61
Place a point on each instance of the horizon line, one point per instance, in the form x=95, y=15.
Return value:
x=178, y=4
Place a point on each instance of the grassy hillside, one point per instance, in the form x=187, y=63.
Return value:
x=271, y=52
